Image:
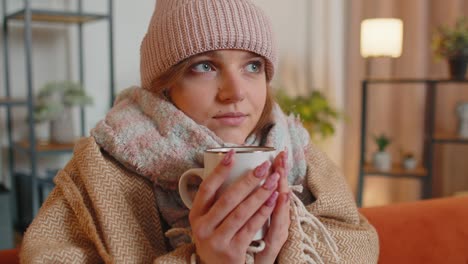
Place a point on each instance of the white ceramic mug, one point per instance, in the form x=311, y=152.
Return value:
x=245, y=159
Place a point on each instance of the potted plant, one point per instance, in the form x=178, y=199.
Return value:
x=54, y=103
x=409, y=161
x=42, y=114
x=382, y=159
x=315, y=111
x=451, y=43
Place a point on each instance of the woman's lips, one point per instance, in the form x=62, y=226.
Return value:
x=231, y=119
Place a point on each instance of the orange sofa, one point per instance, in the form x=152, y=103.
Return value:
x=9, y=256
x=427, y=232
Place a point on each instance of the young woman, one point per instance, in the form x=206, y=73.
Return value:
x=205, y=69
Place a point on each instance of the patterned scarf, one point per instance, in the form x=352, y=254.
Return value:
x=150, y=136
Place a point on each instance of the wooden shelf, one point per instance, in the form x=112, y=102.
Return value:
x=430, y=140
x=46, y=147
x=57, y=16
x=396, y=171
x=414, y=80
x=449, y=138
x=12, y=101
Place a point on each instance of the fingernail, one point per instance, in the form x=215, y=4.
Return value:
x=228, y=157
x=271, y=182
x=261, y=170
x=272, y=199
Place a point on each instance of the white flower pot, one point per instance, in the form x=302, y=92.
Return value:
x=382, y=161
x=462, y=111
x=409, y=163
x=62, y=129
x=42, y=132
x=463, y=129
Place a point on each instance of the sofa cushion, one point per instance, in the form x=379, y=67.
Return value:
x=9, y=256
x=427, y=231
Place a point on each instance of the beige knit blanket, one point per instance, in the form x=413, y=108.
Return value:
x=100, y=212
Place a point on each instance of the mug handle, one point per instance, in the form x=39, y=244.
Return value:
x=183, y=182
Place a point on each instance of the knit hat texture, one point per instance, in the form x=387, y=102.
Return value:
x=182, y=28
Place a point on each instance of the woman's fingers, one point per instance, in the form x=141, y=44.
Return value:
x=236, y=193
x=278, y=231
x=255, y=223
x=281, y=213
x=247, y=208
x=279, y=165
x=283, y=186
x=278, y=162
x=208, y=188
x=280, y=220
x=239, y=217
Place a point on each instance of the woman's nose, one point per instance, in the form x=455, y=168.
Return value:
x=231, y=89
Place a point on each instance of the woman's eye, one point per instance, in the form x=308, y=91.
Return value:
x=202, y=67
x=254, y=66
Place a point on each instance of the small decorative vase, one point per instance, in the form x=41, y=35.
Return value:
x=62, y=128
x=457, y=67
x=462, y=111
x=382, y=161
x=409, y=163
x=42, y=132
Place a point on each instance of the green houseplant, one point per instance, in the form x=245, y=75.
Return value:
x=54, y=104
x=316, y=112
x=451, y=43
x=382, y=159
x=55, y=97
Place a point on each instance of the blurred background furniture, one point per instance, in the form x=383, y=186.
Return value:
x=9, y=256
x=28, y=17
x=6, y=225
x=431, y=137
x=427, y=231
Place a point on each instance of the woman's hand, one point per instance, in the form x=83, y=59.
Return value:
x=280, y=219
x=223, y=229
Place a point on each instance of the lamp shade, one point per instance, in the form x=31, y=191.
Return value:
x=381, y=37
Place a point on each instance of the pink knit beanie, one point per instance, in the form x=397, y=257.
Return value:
x=183, y=28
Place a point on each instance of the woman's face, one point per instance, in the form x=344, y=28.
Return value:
x=224, y=90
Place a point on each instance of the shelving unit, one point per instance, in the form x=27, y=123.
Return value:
x=424, y=173
x=30, y=147
x=12, y=101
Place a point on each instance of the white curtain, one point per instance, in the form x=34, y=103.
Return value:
x=312, y=54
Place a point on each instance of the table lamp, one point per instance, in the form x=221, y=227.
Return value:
x=381, y=37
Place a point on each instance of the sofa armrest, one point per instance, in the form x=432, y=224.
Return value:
x=428, y=231
x=9, y=256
